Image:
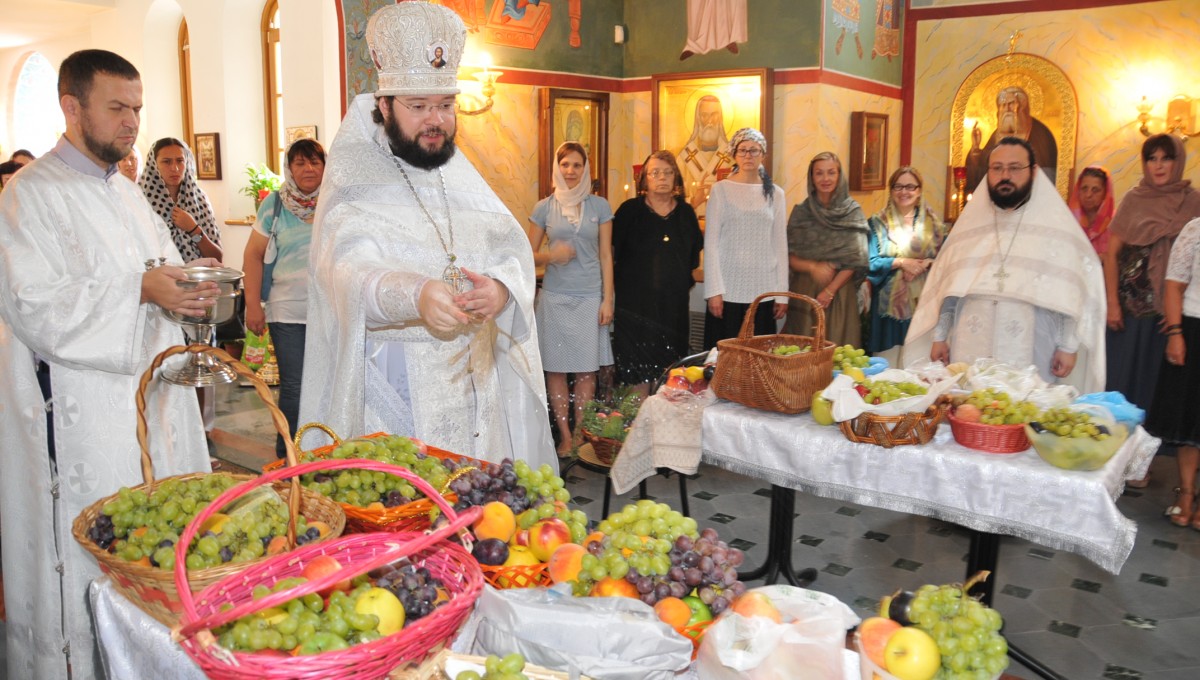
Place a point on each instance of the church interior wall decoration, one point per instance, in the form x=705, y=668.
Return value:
x=868, y=151
x=207, y=146
x=1021, y=95
x=575, y=116
x=693, y=115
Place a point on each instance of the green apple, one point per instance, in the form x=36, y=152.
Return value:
x=912, y=654
x=385, y=606
x=822, y=409
x=700, y=611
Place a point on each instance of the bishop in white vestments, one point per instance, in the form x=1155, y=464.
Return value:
x=78, y=305
x=1017, y=281
x=420, y=318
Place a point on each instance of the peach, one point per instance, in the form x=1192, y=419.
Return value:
x=320, y=566
x=614, y=587
x=873, y=635
x=566, y=562
x=521, y=538
x=277, y=545
x=968, y=413
x=323, y=528
x=496, y=521
x=753, y=603
x=546, y=536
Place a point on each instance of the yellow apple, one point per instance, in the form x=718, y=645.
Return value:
x=385, y=606
x=822, y=409
x=912, y=654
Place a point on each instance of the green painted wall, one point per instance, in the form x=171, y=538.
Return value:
x=597, y=54
x=847, y=60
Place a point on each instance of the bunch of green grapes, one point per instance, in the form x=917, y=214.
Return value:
x=576, y=520
x=495, y=668
x=305, y=625
x=364, y=487
x=882, y=391
x=787, y=350
x=638, y=540
x=966, y=631
x=1066, y=422
x=997, y=408
x=847, y=356
x=140, y=527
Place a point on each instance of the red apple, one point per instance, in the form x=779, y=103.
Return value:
x=546, y=536
x=679, y=382
x=912, y=654
x=323, y=565
x=873, y=635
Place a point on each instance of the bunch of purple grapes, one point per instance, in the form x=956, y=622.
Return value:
x=415, y=587
x=705, y=565
x=101, y=531
x=491, y=482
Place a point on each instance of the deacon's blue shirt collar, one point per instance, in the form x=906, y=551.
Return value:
x=74, y=158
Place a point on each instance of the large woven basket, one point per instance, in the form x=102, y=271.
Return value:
x=152, y=589
x=748, y=373
x=889, y=431
x=232, y=597
x=411, y=516
x=606, y=448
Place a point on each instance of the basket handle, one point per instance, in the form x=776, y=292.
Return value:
x=264, y=393
x=303, y=430
x=404, y=544
x=747, y=330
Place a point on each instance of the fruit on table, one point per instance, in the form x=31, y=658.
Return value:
x=997, y=408
x=546, y=536
x=614, y=587
x=848, y=356
x=822, y=409
x=754, y=603
x=912, y=654
x=674, y=612
x=694, y=373
x=385, y=606
x=965, y=631
x=873, y=635
x=896, y=607
x=491, y=552
x=320, y=566
x=855, y=373
x=496, y=521
x=700, y=611
x=566, y=562
x=416, y=588
x=495, y=668
x=788, y=350
x=883, y=391
x=968, y=412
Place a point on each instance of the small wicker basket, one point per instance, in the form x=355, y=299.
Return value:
x=989, y=438
x=606, y=448
x=748, y=373
x=152, y=589
x=889, y=431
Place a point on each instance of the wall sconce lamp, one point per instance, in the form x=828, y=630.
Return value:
x=1180, y=120
x=487, y=78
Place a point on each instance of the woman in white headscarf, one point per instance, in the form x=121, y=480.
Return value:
x=169, y=183
x=575, y=304
x=288, y=215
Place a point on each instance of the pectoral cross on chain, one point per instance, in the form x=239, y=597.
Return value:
x=456, y=278
x=1000, y=275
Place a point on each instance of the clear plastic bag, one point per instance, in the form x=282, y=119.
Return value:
x=807, y=646
x=1019, y=383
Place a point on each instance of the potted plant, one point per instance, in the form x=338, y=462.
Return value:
x=262, y=183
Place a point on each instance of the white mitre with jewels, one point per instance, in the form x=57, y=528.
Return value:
x=416, y=47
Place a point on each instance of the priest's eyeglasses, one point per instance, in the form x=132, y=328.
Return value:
x=423, y=109
x=1001, y=170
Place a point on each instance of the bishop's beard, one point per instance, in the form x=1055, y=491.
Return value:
x=409, y=149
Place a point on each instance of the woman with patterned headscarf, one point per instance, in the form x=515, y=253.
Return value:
x=745, y=241
x=169, y=183
x=827, y=252
x=287, y=215
x=1092, y=204
x=905, y=237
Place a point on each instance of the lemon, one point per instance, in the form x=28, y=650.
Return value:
x=856, y=373
x=694, y=373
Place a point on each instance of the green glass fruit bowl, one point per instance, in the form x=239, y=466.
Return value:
x=1077, y=453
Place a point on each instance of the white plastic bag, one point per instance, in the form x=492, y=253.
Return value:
x=849, y=404
x=606, y=638
x=1019, y=383
x=808, y=646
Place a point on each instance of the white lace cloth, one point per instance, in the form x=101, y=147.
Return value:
x=1015, y=494
x=132, y=644
x=666, y=433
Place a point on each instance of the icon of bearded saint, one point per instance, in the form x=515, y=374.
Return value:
x=705, y=153
x=1014, y=119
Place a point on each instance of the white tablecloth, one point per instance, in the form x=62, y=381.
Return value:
x=1014, y=494
x=133, y=646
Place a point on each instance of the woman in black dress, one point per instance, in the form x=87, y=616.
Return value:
x=656, y=246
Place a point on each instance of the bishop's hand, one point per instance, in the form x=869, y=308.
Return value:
x=486, y=300
x=438, y=309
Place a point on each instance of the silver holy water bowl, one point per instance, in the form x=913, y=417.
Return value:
x=203, y=369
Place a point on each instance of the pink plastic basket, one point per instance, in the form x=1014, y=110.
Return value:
x=358, y=554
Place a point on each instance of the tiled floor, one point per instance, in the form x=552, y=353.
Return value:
x=1071, y=615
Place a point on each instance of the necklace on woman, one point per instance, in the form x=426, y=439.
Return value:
x=1001, y=274
x=452, y=274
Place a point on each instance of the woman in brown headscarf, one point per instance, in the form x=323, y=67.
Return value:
x=1140, y=237
x=827, y=253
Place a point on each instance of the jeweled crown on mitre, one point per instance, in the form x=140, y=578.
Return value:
x=416, y=47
